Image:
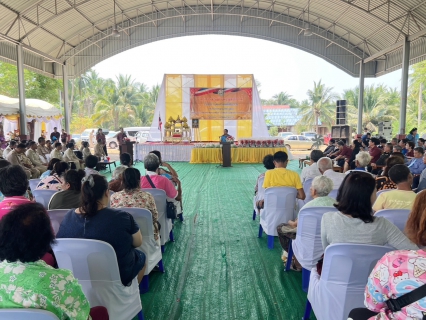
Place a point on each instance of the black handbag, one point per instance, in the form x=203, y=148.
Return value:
x=171, y=211
x=397, y=304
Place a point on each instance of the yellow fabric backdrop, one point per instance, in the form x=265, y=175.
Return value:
x=238, y=155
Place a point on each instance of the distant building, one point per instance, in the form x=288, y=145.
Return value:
x=286, y=118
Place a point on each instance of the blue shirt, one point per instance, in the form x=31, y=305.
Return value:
x=416, y=165
x=223, y=138
x=412, y=138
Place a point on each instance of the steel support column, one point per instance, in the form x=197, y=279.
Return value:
x=67, y=111
x=21, y=91
x=404, y=85
x=361, y=96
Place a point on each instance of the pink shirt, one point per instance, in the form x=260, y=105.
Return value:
x=396, y=273
x=9, y=202
x=160, y=182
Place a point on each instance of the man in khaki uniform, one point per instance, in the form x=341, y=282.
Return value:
x=35, y=158
x=42, y=150
x=17, y=157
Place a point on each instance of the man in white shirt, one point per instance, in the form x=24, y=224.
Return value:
x=42, y=150
x=312, y=171
x=34, y=157
x=17, y=157
x=69, y=156
x=56, y=152
x=10, y=147
x=325, y=166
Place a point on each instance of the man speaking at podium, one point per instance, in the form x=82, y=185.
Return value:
x=224, y=136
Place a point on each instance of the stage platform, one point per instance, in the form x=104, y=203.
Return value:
x=188, y=152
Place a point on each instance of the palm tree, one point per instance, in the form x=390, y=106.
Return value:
x=318, y=107
x=282, y=98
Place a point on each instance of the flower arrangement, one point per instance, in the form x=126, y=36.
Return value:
x=230, y=139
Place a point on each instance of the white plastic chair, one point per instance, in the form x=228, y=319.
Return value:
x=94, y=264
x=166, y=224
x=307, y=188
x=333, y=193
x=343, y=279
x=398, y=217
x=43, y=196
x=56, y=216
x=259, y=196
x=26, y=314
x=383, y=191
x=279, y=203
x=110, y=194
x=34, y=183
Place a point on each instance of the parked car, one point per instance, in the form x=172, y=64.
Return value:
x=298, y=142
x=111, y=139
x=309, y=134
x=285, y=134
x=131, y=132
x=77, y=139
x=142, y=136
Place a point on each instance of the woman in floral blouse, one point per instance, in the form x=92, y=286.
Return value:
x=28, y=282
x=133, y=196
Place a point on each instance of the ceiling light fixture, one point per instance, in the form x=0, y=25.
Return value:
x=308, y=32
x=115, y=32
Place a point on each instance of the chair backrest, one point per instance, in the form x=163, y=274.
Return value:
x=307, y=188
x=279, y=207
x=383, y=191
x=143, y=218
x=34, y=183
x=43, y=196
x=308, y=247
x=56, y=216
x=333, y=193
x=110, y=194
x=398, y=217
x=344, y=276
x=26, y=314
x=160, y=199
x=260, y=189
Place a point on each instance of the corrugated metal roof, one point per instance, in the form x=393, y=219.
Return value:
x=344, y=31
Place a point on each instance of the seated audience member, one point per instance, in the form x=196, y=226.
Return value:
x=85, y=150
x=17, y=157
x=56, y=178
x=35, y=284
x=416, y=164
x=12, y=145
x=13, y=186
x=402, y=143
x=333, y=154
x=57, y=152
x=397, y=149
x=383, y=182
x=94, y=220
x=387, y=151
x=401, y=198
x=49, y=168
x=3, y=164
x=49, y=146
x=421, y=143
x=64, y=144
x=268, y=163
x=362, y=160
x=282, y=177
x=99, y=149
x=70, y=195
x=350, y=163
x=330, y=147
x=133, y=197
x=169, y=172
x=312, y=171
x=69, y=155
x=365, y=139
x=398, y=267
x=35, y=158
x=344, y=154
x=325, y=166
x=42, y=150
x=91, y=162
x=152, y=163
x=116, y=183
x=374, y=151
x=126, y=159
x=422, y=178
x=383, y=143
x=355, y=223
x=409, y=146
x=394, y=142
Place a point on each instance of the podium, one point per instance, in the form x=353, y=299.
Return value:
x=128, y=148
x=226, y=154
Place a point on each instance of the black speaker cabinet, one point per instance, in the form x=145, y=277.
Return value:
x=341, y=111
x=341, y=132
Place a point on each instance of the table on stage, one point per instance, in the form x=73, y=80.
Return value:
x=238, y=155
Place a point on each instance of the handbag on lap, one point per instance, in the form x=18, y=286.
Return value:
x=171, y=208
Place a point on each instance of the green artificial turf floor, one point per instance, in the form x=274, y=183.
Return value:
x=218, y=268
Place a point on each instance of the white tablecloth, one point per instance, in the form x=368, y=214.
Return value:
x=169, y=152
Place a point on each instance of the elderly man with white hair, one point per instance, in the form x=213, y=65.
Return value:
x=325, y=166
x=320, y=189
x=362, y=160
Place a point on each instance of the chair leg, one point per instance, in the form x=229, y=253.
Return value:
x=161, y=266
x=308, y=310
x=306, y=274
x=181, y=217
x=260, y=231
x=144, y=285
x=270, y=242
x=289, y=256
x=254, y=214
x=140, y=315
x=163, y=248
x=172, y=238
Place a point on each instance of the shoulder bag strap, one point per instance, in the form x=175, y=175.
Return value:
x=397, y=304
x=150, y=181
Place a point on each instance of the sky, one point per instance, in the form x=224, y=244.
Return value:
x=278, y=67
